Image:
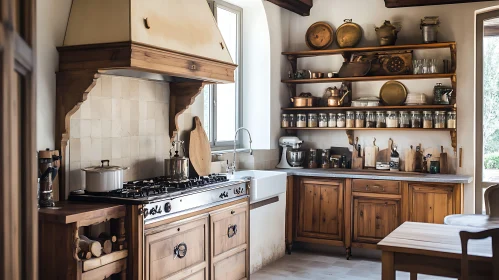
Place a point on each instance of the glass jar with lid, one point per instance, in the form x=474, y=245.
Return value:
x=427, y=119
x=340, y=120
x=416, y=119
x=322, y=120
x=360, y=119
x=292, y=120
x=331, y=122
x=284, y=120
x=350, y=119
x=440, y=119
x=380, y=119
x=404, y=119
x=370, y=119
x=312, y=120
x=301, y=120
x=451, y=119
x=392, y=119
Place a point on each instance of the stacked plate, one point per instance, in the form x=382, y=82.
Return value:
x=415, y=99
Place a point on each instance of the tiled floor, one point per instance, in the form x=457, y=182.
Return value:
x=302, y=265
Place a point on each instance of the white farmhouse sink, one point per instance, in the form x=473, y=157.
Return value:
x=263, y=184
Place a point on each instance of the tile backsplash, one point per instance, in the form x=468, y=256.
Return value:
x=124, y=120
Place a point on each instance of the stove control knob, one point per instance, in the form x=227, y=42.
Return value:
x=168, y=207
x=153, y=211
x=224, y=194
x=145, y=211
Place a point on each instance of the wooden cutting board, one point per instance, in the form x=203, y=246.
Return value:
x=384, y=155
x=370, y=155
x=410, y=160
x=357, y=161
x=199, y=149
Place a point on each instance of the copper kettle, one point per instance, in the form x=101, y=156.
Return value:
x=335, y=98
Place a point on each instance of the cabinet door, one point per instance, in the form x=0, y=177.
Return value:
x=374, y=218
x=320, y=209
x=430, y=203
x=178, y=251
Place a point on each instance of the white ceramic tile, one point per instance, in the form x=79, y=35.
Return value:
x=134, y=146
x=159, y=147
x=146, y=147
x=106, y=128
x=85, y=110
x=85, y=128
x=142, y=110
x=150, y=127
x=134, y=89
x=125, y=147
x=116, y=90
x=116, y=128
x=106, y=152
x=166, y=90
x=75, y=176
x=125, y=88
x=75, y=128
x=96, y=129
x=151, y=110
x=76, y=115
x=134, y=128
x=106, y=108
x=142, y=128
x=125, y=128
x=116, y=162
x=86, y=164
x=147, y=90
x=160, y=127
x=96, y=152
x=134, y=110
x=86, y=148
x=107, y=85
x=125, y=109
x=116, y=108
x=96, y=107
x=116, y=148
x=97, y=89
x=74, y=150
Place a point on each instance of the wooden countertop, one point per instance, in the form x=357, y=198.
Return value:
x=67, y=212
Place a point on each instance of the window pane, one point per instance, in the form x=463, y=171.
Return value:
x=227, y=23
x=207, y=111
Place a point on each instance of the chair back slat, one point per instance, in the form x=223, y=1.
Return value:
x=465, y=237
x=491, y=197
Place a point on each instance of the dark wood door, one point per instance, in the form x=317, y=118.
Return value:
x=18, y=176
x=430, y=203
x=320, y=213
x=374, y=218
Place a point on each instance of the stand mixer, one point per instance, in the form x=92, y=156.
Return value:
x=291, y=156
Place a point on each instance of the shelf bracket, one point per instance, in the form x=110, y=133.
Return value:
x=453, y=138
x=349, y=133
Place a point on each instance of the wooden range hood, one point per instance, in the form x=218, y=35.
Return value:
x=176, y=39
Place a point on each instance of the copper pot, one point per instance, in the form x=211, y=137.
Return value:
x=335, y=99
x=304, y=100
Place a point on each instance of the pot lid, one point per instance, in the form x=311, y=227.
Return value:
x=104, y=168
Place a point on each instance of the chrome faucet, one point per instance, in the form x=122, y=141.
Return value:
x=231, y=168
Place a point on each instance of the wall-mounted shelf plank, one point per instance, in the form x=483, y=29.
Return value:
x=369, y=78
x=309, y=53
x=373, y=108
x=365, y=128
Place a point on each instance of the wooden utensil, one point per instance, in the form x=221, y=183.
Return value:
x=357, y=159
x=444, y=164
x=199, y=149
x=410, y=160
x=384, y=155
x=370, y=155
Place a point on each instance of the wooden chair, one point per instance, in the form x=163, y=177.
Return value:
x=465, y=237
x=491, y=220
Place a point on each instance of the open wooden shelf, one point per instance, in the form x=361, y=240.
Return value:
x=366, y=128
x=309, y=53
x=369, y=78
x=373, y=108
x=103, y=260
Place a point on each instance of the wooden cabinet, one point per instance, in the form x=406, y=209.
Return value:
x=178, y=250
x=430, y=203
x=374, y=218
x=229, y=235
x=320, y=210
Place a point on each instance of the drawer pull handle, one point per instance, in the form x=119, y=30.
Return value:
x=232, y=212
x=375, y=187
x=146, y=23
x=231, y=231
x=180, y=250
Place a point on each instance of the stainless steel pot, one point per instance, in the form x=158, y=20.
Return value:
x=104, y=178
x=295, y=157
x=177, y=167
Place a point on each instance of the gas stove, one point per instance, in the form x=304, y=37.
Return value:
x=163, y=198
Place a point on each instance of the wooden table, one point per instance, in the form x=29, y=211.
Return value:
x=433, y=249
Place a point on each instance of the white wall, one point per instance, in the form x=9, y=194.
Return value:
x=457, y=24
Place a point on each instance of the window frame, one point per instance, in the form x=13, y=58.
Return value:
x=212, y=90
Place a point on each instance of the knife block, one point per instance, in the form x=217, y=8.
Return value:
x=357, y=162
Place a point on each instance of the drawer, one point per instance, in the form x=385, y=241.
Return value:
x=229, y=228
x=231, y=268
x=376, y=186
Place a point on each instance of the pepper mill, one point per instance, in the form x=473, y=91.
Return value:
x=46, y=174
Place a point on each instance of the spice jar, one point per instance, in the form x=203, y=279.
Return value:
x=440, y=119
x=427, y=119
x=392, y=119
x=301, y=120
x=370, y=119
x=312, y=120
x=416, y=119
x=350, y=119
x=360, y=119
x=284, y=120
x=292, y=120
x=312, y=159
x=451, y=120
x=340, y=120
x=332, y=120
x=322, y=120
x=404, y=119
x=380, y=119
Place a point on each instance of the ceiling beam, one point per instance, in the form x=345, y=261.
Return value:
x=301, y=7
x=414, y=3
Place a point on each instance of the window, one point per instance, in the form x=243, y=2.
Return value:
x=222, y=101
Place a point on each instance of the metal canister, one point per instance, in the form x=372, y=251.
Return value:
x=429, y=29
x=177, y=167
